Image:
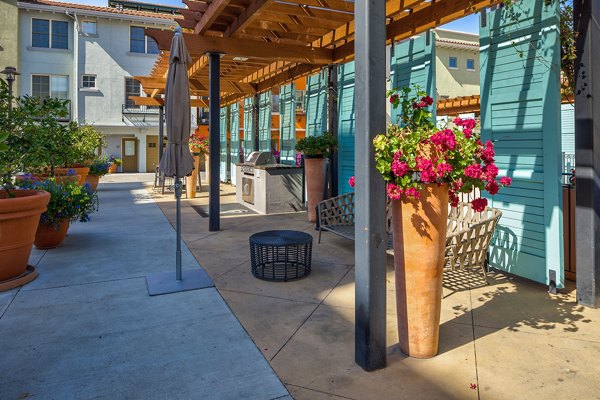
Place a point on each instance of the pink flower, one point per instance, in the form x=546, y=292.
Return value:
x=457, y=185
x=469, y=123
x=505, y=181
x=479, y=205
x=474, y=171
x=444, y=168
x=351, y=181
x=468, y=133
x=424, y=163
x=492, y=187
x=491, y=172
x=453, y=198
x=427, y=100
x=444, y=140
x=394, y=191
x=397, y=155
x=488, y=154
x=412, y=192
x=399, y=168
x=458, y=121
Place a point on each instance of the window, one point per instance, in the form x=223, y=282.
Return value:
x=88, y=81
x=470, y=64
x=49, y=34
x=132, y=88
x=50, y=86
x=88, y=27
x=453, y=63
x=300, y=100
x=140, y=43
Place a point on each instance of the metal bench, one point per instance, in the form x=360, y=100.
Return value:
x=469, y=233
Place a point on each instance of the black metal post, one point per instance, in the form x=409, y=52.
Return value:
x=587, y=152
x=214, y=222
x=255, y=120
x=161, y=130
x=11, y=75
x=370, y=231
x=332, y=124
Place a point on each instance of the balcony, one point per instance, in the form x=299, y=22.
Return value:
x=137, y=115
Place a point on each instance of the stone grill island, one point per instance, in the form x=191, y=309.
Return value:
x=267, y=187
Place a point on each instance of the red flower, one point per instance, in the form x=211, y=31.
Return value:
x=505, y=181
x=474, y=171
x=468, y=133
x=479, y=205
x=491, y=172
x=394, y=192
x=469, y=123
x=492, y=187
x=351, y=181
x=458, y=121
x=473, y=386
x=487, y=155
x=399, y=168
x=412, y=192
x=427, y=100
x=444, y=168
x=453, y=198
x=444, y=140
x=393, y=98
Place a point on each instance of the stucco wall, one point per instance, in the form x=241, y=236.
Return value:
x=456, y=82
x=9, y=37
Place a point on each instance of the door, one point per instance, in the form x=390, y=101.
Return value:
x=130, y=155
x=151, y=152
x=287, y=124
x=249, y=126
x=234, y=143
x=520, y=114
x=316, y=104
x=413, y=63
x=264, y=122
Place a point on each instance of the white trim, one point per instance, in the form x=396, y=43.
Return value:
x=88, y=88
x=95, y=27
x=50, y=21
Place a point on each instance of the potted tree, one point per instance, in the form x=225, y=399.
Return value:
x=315, y=149
x=69, y=202
x=425, y=169
x=20, y=209
x=98, y=168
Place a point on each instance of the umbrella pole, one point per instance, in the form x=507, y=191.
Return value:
x=178, y=206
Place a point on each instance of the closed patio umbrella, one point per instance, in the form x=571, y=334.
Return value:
x=177, y=162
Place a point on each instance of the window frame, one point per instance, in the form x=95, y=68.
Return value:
x=53, y=34
x=146, y=42
x=450, y=58
x=471, y=69
x=83, y=76
x=50, y=76
x=89, y=21
x=128, y=102
x=50, y=34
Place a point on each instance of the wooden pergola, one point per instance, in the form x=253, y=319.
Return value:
x=244, y=47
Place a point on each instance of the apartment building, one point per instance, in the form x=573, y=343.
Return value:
x=457, y=64
x=89, y=55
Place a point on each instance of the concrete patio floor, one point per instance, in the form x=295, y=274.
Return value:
x=86, y=328
x=507, y=340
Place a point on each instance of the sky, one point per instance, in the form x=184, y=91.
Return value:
x=467, y=24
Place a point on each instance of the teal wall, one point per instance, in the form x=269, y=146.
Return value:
x=249, y=126
x=316, y=103
x=224, y=156
x=287, y=124
x=520, y=113
x=346, y=126
x=234, y=142
x=264, y=121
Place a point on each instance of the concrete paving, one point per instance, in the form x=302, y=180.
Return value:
x=87, y=328
x=506, y=340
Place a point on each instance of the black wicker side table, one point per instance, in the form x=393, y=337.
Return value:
x=280, y=255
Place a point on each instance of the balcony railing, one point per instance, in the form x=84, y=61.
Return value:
x=132, y=109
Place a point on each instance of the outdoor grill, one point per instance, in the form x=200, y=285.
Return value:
x=247, y=168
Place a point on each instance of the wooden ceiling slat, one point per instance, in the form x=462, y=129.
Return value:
x=339, y=5
x=299, y=10
x=247, y=16
x=210, y=16
x=194, y=5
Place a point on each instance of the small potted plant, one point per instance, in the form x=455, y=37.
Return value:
x=425, y=168
x=98, y=168
x=199, y=147
x=69, y=202
x=115, y=162
x=315, y=149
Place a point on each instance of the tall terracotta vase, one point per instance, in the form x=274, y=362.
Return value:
x=419, y=227
x=314, y=169
x=51, y=236
x=19, y=219
x=192, y=180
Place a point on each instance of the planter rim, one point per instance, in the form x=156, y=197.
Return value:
x=313, y=156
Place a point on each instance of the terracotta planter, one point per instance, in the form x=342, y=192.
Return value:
x=112, y=168
x=419, y=244
x=314, y=169
x=81, y=171
x=192, y=180
x=51, y=236
x=93, y=181
x=207, y=168
x=19, y=219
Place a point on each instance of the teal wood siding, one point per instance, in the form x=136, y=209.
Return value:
x=264, y=122
x=234, y=142
x=249, y=131
x=224, y=160
x=413, y=63
x=346, y=126
x=287, y=124
x=567, y=113
x=316, y=104
x=520, y=113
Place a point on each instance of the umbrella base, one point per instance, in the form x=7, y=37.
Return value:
x=166, y=282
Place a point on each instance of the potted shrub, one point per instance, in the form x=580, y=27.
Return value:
x=84, y=142
x=98, y=168
x=315, y=149
x=114, y=164
x=199, y=148
x=20, y=210
x=69, y=202
x=425, y=168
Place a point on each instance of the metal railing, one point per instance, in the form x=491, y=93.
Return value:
x=132, y=109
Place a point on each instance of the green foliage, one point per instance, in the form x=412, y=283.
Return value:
x=99, y=167
x=114, y=160
x=312, y=146
x=11, y=140
x=68, y=200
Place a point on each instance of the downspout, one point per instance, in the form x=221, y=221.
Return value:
x=75, y=81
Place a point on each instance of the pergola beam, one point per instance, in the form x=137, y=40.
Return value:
x=197, y=44
x=212, y=13
x=159, y=101
x=246, y=17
